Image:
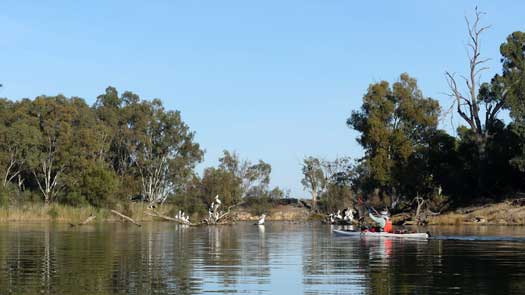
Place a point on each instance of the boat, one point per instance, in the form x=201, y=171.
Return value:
x=381, y=234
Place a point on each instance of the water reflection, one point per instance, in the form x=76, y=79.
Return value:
x=275, y=258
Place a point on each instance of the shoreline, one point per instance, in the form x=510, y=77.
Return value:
x=508, y=212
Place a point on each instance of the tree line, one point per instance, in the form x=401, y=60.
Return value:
x=407, y=155
x=58, y=149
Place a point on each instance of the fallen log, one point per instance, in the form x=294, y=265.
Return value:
x=156, y=214
x=125, y=217
x=88, y=220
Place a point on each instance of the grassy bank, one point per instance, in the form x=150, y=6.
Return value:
x=504, y=213
x=39, y=212
x=276, y=213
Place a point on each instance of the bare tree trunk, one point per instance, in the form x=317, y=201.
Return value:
x=154, y=180
x=420, y=202
x=49, y=183
x=174, y=219
x=467, y=106
x=125, y=217
x=10, y=172
x=86, y=221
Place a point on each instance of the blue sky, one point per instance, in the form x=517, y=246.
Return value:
x=272, y=80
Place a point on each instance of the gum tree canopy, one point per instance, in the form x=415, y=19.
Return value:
x=509, y=87
x=396, y=124
x=166, y=153
x=147, y=142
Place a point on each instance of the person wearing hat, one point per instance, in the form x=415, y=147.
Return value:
x=383, y=221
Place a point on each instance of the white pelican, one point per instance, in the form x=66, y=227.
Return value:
x=338, y=215
x=261, y=219
x=217, y=200
x=349, y=215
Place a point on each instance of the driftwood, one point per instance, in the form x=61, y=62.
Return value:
x=125, y=217
x=410, y=222
x=88, y=220
x=157, y=214
x=219, y=217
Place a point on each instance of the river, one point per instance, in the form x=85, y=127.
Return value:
x=278, y=258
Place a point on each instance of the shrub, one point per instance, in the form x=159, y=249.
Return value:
x=98, y=186
x=4, y=198
x=258, y=205
x=74, y=199
x=53, y=212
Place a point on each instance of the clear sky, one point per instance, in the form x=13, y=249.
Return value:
x=272, y=80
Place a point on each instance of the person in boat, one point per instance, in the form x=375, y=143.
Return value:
x=383, y=221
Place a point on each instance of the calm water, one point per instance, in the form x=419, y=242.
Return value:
x=279, y=258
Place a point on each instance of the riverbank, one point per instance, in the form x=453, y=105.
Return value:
x=39, y=212
x=509, y=212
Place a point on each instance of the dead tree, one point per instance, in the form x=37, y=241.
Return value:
x=420, y=203
x=125, y=217
x=216, y=215
x=86, y=221
x=468, y=103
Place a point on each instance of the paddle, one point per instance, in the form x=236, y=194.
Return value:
x=373, y=209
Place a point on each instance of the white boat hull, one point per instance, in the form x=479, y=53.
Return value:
x=381, y=234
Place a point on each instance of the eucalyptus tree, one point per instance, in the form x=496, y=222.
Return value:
x=147, y=143
x=165, y=152
x=116, y=113
x=314, y=178
x=219, y=181
x=396, y=124
x=255, y=178
x=53, y=116
x=508, y=88
x=17, y=139
x=88, y=176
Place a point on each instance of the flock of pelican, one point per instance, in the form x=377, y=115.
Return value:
x=348, y=216
x=213, y=213
x=182, y=216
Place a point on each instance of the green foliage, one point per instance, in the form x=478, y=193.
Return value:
x=314, y=179
x=76, y=154
x=73, y=198
x=406, y=155
x=235, y=181
x=331, y=182
x=217, y=181
x=512, y=79
x=336, y=197
x=98, y=186
x=259, y=205
x=397, y=125
x=4, y=198
x=510, y=86
x=255, y=178
x=53, y=212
